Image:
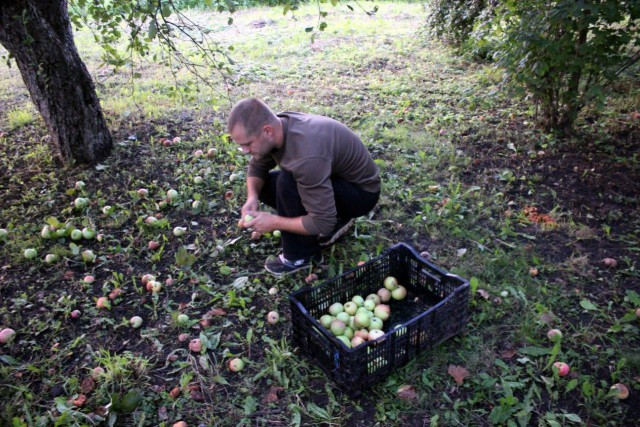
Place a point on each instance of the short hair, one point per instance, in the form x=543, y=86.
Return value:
x=252, y=114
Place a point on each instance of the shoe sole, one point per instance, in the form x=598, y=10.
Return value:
x=339, y=233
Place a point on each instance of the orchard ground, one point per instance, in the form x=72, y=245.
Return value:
x=528, y=218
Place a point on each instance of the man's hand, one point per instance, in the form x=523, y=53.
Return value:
x=265, y=222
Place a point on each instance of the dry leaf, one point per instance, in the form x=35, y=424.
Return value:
x=272, y=395
x=311, y=278
x=162, y=413
x=87, y=385
x=79, y=401
x=175, y=392
x=407, y=392
x=217, y=312
x=459, y=373
x=484, y=294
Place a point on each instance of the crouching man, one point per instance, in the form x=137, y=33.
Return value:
x=325, y=179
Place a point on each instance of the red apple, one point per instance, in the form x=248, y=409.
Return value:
x=562, y=368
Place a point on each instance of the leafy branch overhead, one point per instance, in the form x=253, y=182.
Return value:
x=156, y=30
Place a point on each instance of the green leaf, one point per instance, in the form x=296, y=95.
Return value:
x=535, y=351
x=128, y=403
x=153, y=30
x=588, y=305
x=573, y=418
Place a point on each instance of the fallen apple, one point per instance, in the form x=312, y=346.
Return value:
x=376, y=323
x=154, y=287
x=195, y=345
x=337, y=327
x=198, y=153
x=211, y=152
x=142, y=192
x=369, y=304
x=153, y=245
x=350, y=308
x=562, y=368
x=3, y=233
x=236, y=364
x=179, y=231
x=107, y=209
x=103, y=302
x=399, y=294
x=147, y=278
x=75, y=314
x=356, y=341
x=76, y=234
x=358, y=300
x=361, y=320
x=179, y=424
x=533, y=272
x=197, y=180
x=273, y=291
x=80, y=203
x=345, y=340
x=383, y=311
x=610, y=262
x=390, y=283
x=88, y=233
x=88, y=256
x=182, y=319
x=325, y=320
x=50, y=258
x=79, y=185
x=7, y=335
x=373, y=297
x=277, y=234
x=135, y=322
x=30, y=253
x=172, y=194
x=620, y=391
x=374, y=334
x=384, y=294
x=554, y=335
x=273, y=317
x=46, y=232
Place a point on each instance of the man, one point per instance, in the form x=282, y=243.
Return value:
x=326, y=178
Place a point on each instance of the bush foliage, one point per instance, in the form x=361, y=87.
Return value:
x=563, y=53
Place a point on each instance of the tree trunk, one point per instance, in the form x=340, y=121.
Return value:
x=38, y=35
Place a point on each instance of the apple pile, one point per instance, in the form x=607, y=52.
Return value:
x=362, y=319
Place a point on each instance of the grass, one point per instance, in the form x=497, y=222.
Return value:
x=460, y=160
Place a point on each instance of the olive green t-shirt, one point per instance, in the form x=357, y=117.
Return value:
x=316, y=149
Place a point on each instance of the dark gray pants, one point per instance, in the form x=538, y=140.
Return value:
x=281, y=193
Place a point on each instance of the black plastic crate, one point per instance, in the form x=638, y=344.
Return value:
x=435, y=309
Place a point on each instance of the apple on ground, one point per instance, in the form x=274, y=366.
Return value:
x=7, y=335
x=273, y=317
x=30, y=253
x=554, y=335
x=562, y=368
x=135, y=322
x=236, y=364
x=620, y=391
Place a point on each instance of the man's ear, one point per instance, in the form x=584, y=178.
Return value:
x=268, y=130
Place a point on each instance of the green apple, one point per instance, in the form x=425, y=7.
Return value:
x=30, y=253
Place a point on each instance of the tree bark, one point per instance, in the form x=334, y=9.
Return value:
x=38, y=35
